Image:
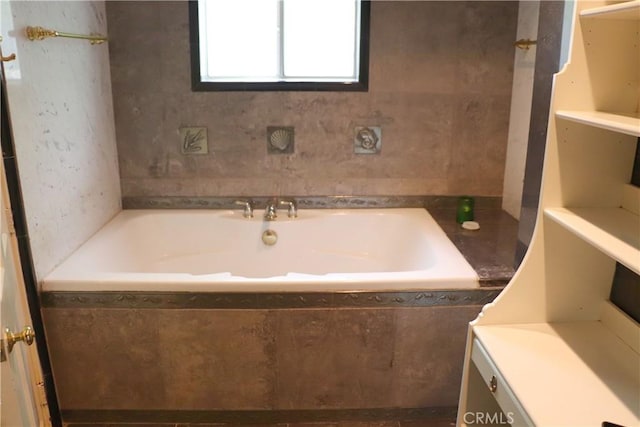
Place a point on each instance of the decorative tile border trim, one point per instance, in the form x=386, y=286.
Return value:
x=305, y=202
x=214, y=300
x=254, y=416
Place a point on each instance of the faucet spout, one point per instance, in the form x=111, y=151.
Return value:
x=270, y=211
x=292, y=211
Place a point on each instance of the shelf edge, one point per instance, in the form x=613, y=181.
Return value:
x=602, y=120
x=624, y=11
x=596, y=236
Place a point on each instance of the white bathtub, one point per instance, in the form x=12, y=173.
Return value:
x=220, y=250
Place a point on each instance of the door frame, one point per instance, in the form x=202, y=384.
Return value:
x=24, y=255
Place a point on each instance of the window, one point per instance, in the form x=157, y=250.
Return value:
x=279, y=44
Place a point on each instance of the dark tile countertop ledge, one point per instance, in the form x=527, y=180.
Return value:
x=491, y=249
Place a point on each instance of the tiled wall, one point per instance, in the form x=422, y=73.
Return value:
x=440, y=87
x=282, y=359
x=59, y=93
x=552, y=24
x=524, y=66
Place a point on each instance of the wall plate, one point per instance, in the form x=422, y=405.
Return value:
x=367, y=140
x=280, y=139
x=193, y=140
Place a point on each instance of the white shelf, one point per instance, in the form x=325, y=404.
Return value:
x=567, y=374
x=614, y=231
x=581, y=371
x=629, y=10
x=627, y=123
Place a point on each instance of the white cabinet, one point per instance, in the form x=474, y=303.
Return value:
x=551, y=350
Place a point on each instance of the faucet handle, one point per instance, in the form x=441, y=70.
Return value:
x=293, y=208
x=248, y=207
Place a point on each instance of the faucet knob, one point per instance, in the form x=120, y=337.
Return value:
x=248, y=207
x=292, y=208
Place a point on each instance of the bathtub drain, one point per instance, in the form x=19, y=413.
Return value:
x=269, y=237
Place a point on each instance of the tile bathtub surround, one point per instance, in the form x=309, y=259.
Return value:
x=289, y=359
x=440, y=86
x=446, y=421
x=449, y=421
x=269, y=300
x=490, y=250
x=308, y=202
x=423, y=417
x=59, y=95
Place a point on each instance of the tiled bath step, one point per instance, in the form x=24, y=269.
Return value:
x=398, y=417
x=432, y=422
x=412, y=423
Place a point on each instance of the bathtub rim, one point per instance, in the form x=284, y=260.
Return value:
x=439, y=277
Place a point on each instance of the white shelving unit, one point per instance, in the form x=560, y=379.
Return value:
x=626, y=10
x=614, y=231
x=624, y=123
x=551, y=350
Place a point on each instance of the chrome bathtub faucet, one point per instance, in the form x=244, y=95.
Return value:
x=270, y=210
x=248, y=207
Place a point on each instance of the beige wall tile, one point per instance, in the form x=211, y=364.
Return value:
x=217, y=359
x=287, y=359
x=334, y=358
x=427, y=58
x=428, y=355
x=105, y=359
x=481, y=126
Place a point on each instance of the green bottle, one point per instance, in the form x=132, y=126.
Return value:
x=465, y=209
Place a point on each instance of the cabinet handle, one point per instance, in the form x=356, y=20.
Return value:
x=493, y=384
